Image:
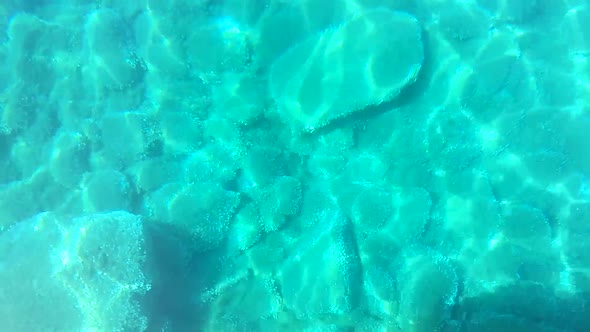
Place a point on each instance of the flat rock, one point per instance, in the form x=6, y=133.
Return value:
x=365, y=61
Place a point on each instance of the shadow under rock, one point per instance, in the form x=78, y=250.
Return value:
x=524, y=306
x=178, y=275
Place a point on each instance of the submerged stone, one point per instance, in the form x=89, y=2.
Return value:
x=366, y=61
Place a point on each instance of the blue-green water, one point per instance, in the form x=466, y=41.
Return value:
x=306, y=165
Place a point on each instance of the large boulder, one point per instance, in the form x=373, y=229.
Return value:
x=82, y=274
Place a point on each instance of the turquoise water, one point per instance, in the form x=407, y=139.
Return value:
x=306, y=165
